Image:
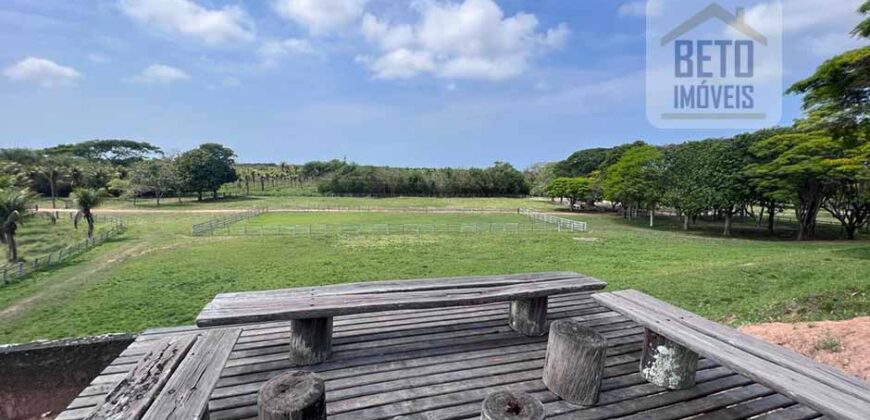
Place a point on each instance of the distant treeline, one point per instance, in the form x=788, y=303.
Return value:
x=500, y=179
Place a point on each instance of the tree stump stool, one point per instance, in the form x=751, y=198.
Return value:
x=667, y=364
x=574, y=364
x=507, y=405
x=295, y=395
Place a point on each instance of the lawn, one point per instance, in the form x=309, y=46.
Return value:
x=276, y=218
x=158, y=275
x=37, y=236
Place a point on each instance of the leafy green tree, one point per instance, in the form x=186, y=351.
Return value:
x=849, y=197
x=688, y=171
x=207, y=168
x=13, y=203
x=636, y=179
x=574, y=189
x=86, y=199
x=158, y=176
x=53, y=169
x=114, y=151
x=797, y=168
x=581, y=163
x=863, y=28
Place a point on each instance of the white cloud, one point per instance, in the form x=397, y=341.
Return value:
x=801, y=16
x=185, y=17
x=160, y=74
x=320, y=16
x=468, y=40
x=271, y=52
x=640, y=8
x=40, y=70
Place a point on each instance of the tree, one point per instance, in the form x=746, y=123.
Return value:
x=574, y=189
x=158, y=176
x=849, y=198
x=207, y=168
x=13, y=203
x=687, y=175
x=581, y=163
x=635, y=179
x=863, y=28
x=116, y=152
x=53, y=169
x=797, y=168
x=86, y=200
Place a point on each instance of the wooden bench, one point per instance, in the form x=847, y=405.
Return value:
x=311, y=309
x=820, y=387
x=174, y=380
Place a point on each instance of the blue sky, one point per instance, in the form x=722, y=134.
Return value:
x=406, y=83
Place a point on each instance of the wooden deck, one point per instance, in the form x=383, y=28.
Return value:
x=441, y=363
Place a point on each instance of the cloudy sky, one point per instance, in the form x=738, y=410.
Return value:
x=402, y=82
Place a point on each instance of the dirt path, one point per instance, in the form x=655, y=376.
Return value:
x=843, y=344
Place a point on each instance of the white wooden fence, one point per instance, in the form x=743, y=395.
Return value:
x=561, y=223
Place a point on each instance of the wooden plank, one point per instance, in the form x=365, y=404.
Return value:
x=186, y=394
x=132, y=396
x=393, y=286
x=806, y=390
x=776, y=354
x=750, y=408
x=264, y=309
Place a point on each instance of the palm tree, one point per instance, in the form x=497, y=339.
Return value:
x=86, y=199
x=12, y=204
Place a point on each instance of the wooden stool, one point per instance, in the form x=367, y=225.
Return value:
x=295, y=395
x=574, y=364
x=507, y=405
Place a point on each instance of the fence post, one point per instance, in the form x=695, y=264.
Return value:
x=20, y=269
x=5, y=277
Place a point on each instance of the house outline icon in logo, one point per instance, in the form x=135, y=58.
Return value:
x=715, y=11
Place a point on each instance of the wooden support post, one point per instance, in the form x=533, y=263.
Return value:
x=295, y=395
x=310, y=341
x=667, y=364
x=574, y=364
x=506, y=405
x=529, y=316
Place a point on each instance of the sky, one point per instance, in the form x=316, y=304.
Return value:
x=404, y=83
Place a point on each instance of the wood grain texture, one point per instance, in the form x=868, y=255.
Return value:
x=294, y=395
x=441, y=363
x=574, y=365
x=667, y=364
x=507, y=405
x=132, y=396
x=287, y=304
x=773, y=372
x=186, y=394
x=529, y=316
x=310, y=341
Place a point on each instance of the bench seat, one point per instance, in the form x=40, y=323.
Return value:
x=311, y=309
x=818, y=386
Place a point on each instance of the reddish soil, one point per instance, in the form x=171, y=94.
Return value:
x=843, y=344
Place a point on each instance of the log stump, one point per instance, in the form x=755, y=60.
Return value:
x=574, y=364
x=507, y=405
x=667, y=364
x=529, y=316
x=310, y=341
x=295, y=395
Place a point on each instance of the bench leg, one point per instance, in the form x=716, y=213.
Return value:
x=529, y=316
x=310, y=341
x=667, y=364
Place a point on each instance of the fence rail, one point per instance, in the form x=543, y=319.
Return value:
x=210, y=226
x=19, y=270
x=320, y=229
x=561, y=223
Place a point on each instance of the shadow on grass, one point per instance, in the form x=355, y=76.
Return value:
x=171, y=203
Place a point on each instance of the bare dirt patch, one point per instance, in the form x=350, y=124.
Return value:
x=842, y=344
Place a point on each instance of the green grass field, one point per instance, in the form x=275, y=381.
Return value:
x=38, y=237
x=374, y=218
x=156, y=274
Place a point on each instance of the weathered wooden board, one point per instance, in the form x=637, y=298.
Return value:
x=132, y=396
x=441, y=364
x=242, y=309
x=793, y=383
x=186, y=394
